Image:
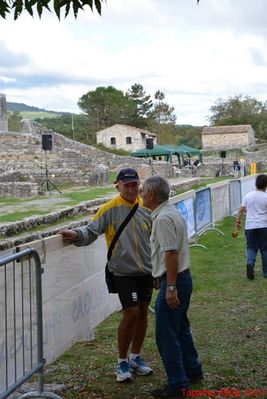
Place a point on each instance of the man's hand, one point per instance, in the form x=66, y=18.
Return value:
x=69, y=235
x=172, y=299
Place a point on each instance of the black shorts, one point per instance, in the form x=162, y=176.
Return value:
x=134, y=289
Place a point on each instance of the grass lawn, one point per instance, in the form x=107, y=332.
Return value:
x=228, y=321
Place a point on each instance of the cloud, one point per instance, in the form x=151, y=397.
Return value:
x=257, y=57
x=11, y=59
x=193, y=53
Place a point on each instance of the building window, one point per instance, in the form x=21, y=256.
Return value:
x=128, y=140
x=113, y=140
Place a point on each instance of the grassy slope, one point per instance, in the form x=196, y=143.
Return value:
x=227, y=317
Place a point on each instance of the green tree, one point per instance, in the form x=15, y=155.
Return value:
x=14, y=119
x=143, y=104
x=262, y=127
x=162, y=112
x=107, y=106
x=18, y=6
x=161, y=119
x=63, y=124
x=240, y=110
x=189, y=135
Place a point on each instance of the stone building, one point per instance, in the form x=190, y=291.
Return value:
x=3, y=114
x=226, y=137
x=124, y=137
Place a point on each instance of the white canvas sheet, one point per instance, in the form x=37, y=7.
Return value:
x=220, y=201
x=247, y=185
x=234, y=196
x=75, y=297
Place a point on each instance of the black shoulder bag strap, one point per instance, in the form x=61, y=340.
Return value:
x=120, y=230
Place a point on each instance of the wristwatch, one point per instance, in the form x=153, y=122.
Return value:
x=171, y=287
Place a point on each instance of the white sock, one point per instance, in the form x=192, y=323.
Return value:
x=122, y=360
x=133, y=356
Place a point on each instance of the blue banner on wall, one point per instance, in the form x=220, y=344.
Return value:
x=203, y=209
x=186, y=210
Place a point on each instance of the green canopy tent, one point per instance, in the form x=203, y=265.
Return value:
x=187, y=150
x=157, y=151
x=174, y=151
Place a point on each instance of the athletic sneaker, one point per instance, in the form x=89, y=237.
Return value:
x=123, y=372
x=139, y=367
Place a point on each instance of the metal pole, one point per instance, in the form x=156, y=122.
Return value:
x=46, y=173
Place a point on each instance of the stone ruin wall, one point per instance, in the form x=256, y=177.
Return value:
x=22, y=160
x=18, y=190
x=3, y=114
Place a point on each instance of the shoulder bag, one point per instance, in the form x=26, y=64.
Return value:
x=109, y=276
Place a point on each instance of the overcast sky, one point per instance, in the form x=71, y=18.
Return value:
x=195, y=54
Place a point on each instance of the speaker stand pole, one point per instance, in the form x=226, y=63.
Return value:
x=223, y=171
x=48, y=182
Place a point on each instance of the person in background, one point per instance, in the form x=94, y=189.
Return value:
x=242, y=163
x=131, y=265
x=255, y=204
x=236, y=168
x=170, y=262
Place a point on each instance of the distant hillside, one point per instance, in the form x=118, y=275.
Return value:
x=31, y=112
x=21, y=107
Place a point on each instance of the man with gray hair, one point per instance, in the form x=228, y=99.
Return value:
x=170, y=262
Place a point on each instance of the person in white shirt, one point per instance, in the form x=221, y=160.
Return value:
x=255, y=204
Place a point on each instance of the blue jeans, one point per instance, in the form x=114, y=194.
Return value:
x=257, y=241
x=173, y=335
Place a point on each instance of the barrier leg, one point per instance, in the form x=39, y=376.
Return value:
x=40, y=393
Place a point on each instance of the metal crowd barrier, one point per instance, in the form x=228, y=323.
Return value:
x=21, y=324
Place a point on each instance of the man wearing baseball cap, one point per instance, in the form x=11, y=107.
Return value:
x=131, y=265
